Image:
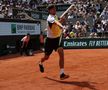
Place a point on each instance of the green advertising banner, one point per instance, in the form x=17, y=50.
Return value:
x=86, y=43
x=12, y=31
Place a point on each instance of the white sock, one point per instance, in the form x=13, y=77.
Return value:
x=61, y=71
x=40, y=63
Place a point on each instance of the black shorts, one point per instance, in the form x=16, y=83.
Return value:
x=52, y=44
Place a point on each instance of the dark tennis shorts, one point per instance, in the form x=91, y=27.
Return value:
x=52, y=44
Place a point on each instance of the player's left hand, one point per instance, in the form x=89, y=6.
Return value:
x=64, y=29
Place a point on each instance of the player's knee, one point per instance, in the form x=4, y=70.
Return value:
x=60, y=50
x=46, y=57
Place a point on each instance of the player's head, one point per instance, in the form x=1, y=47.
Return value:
x=52, y=9
x=28, y=34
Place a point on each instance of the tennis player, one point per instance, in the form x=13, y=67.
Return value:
x=53, y=41
x=24, y=44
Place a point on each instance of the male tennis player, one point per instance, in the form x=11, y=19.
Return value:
x=24, y=44
x=53, y=41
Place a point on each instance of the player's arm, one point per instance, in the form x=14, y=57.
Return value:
x=22, y=44
x=45, y=29
x=62, y=19
x=22, y=40
x=51, y=20
x=59, y=24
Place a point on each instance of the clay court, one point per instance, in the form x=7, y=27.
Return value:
x=88, y=70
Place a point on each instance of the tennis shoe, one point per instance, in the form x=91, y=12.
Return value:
x=64, y=76
x=41, y=68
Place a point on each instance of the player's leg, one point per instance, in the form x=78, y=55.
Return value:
x=22, y=49
x=42, y=61
x=61, y=57
x=61, y=63
x=26, y=50
x=59, y=49
x=46, y=57
x=48, y=51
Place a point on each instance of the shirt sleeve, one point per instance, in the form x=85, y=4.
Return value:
x=51, y=19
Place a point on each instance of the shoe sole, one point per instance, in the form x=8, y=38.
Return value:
x=67, y=76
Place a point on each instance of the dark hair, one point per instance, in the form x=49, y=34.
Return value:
x=28, y=34
x=50, y=7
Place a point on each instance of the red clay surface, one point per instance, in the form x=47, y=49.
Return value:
x=88, y=70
